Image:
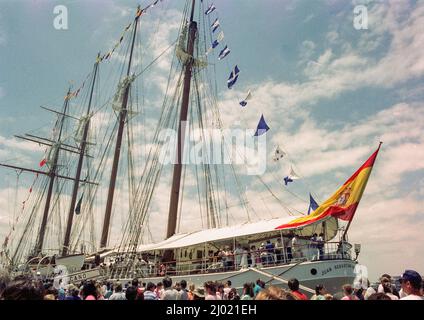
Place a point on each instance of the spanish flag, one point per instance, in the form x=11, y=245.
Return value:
x=343, y=203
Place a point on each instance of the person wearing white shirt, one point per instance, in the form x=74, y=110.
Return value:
x=411, y=282
x=238, y=251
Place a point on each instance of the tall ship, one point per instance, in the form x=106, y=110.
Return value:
x=139, y=178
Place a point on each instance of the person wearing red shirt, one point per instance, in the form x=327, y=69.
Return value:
x=294, y=288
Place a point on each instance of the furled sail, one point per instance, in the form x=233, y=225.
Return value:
x=181, y=53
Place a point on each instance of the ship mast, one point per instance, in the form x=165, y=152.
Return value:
x=79, y=167
x=176, y=180
x=122, y=118
x=52, y=175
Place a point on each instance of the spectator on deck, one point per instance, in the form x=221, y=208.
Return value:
x=270, y=248
x=238, y=251
x=278, y=248
x=320, y=245
x=295, y=250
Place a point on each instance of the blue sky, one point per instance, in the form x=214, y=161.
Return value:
x=329, y=92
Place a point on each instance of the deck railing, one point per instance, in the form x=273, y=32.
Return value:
x=228, y=261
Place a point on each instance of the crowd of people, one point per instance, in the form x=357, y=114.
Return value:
x=22, y=288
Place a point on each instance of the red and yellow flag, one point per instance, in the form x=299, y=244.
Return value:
x=343, y=203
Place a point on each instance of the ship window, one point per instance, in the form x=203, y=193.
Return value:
x=313, y=271
x=199, y=254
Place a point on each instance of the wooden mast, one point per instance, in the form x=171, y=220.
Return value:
x=79, y=167
x=176, y=180
x=52, y=175
x=122, y=118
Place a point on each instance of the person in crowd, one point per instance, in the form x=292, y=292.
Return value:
x=227, y=289
x=118, y=294
x=210, y=290
x=387, y=287
x=191, y=288
x=348, y=293
x=411, y=282
x=149, y=293
x=4, y=280
x=21, y=288
x=72, y=293
x=294, y=289
x=247, y=292
x=89, y=291
x=320, y=292
x=61, y=294
x=220, y=294
x=422, y=289
x=99, y=290
x=177, y=287
x=51, y=292
x=258, y=286
x=358, y=291
x=183, y=293
x=233, y=294
x=379, y=296
x=169, y=292
x=370, y=290
x=380, y=288
x=271, y=293
x=199, y=294
x=131, y=293
x=109, y=290
x=159, y=290
x=140, y=289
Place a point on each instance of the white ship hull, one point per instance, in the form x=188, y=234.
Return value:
x=333, y=274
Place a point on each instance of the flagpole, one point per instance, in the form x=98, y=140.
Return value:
x=350, y=221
